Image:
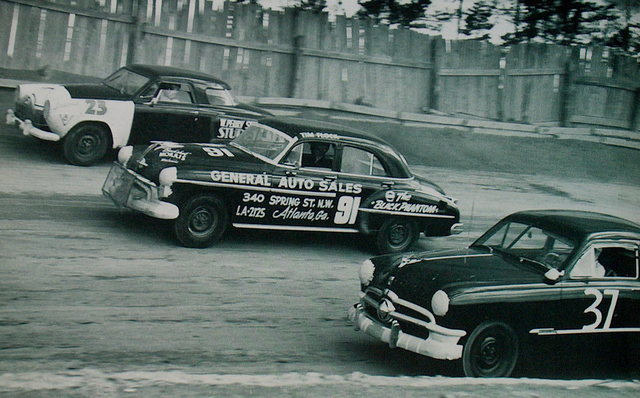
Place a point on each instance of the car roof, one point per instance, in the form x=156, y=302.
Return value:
x=295, y=126
x=156, y=71
x=575, y=224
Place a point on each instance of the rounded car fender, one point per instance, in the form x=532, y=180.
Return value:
x=395, y=202
x=63, y=115
x=37, y=93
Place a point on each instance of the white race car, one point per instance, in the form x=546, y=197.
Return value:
x=137, y=104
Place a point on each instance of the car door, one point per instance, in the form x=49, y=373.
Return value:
x=167, y=111
x=601, y=292
x=302, y=196
x=362, y=173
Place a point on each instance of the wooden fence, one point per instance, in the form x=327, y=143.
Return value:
x=301, y=54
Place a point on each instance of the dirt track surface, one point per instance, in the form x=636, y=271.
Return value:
x=94, y=302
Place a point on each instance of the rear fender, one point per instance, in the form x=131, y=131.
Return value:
x=383, y=204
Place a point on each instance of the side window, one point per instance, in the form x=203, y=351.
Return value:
x=620, y=261
x=150, y=92
x=361, y=162
x=608, y=260
x=587, y=266
x=294, y=158
x=218, y=96
x=318, y=154
x=178, y=93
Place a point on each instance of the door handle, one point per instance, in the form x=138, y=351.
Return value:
x=387, y=184
x=331, y=177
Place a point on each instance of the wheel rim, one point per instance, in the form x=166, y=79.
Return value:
x=202, y=221
x=398, y=235
x=493, y=354
x=489, y=355
x=88, y=144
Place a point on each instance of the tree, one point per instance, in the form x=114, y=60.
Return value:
x=558, y=21
x=625, y=35
x=313, y=5
x=394, y=12
x=477, y=21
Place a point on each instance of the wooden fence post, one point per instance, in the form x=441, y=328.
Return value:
x=633, y=117
x=433, y=89
x=295, y=62
x=565, y=92
x=501, y=81
x=136, y=32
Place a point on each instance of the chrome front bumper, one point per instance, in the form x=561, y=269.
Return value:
x=29, y=129
x=127, y=189
x=441, y=344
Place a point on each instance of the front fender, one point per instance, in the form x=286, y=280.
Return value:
x=63, y=115
x=36, y=94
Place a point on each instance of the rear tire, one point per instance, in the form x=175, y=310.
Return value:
x=202, y=221
x=491, y=351
x=397, y=234
x=86, y=144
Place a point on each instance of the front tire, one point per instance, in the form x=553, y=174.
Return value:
x=202, y=221
x=86, y=144
x=491, y=351
x=397, y=234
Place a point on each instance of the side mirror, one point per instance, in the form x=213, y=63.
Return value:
x=553, y=275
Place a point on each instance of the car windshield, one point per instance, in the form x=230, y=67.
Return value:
x=262, y=140
x=528, y=244
x=125, y=81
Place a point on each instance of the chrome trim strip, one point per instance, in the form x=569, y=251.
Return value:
x=553, y=332
x=368, y=210
x=257, y=188
x=294, y=228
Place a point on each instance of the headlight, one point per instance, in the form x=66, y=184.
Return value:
x=440, y=303
x=124, y=154
x=366, y=272
x=168, y=176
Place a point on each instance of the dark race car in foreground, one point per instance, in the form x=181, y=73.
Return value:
x=534, y=276
x=135, y=105
x=283, y=174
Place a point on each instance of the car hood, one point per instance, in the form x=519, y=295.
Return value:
x=415, y=277
x=194, y=161
x=97, y=91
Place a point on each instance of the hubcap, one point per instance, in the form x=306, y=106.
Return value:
x=489, y=353
x=398, y=235
x=201, y=221
x=87, y=144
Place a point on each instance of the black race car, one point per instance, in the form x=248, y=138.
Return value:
x=532, y=276
x=283, y=174
x=135, y=105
